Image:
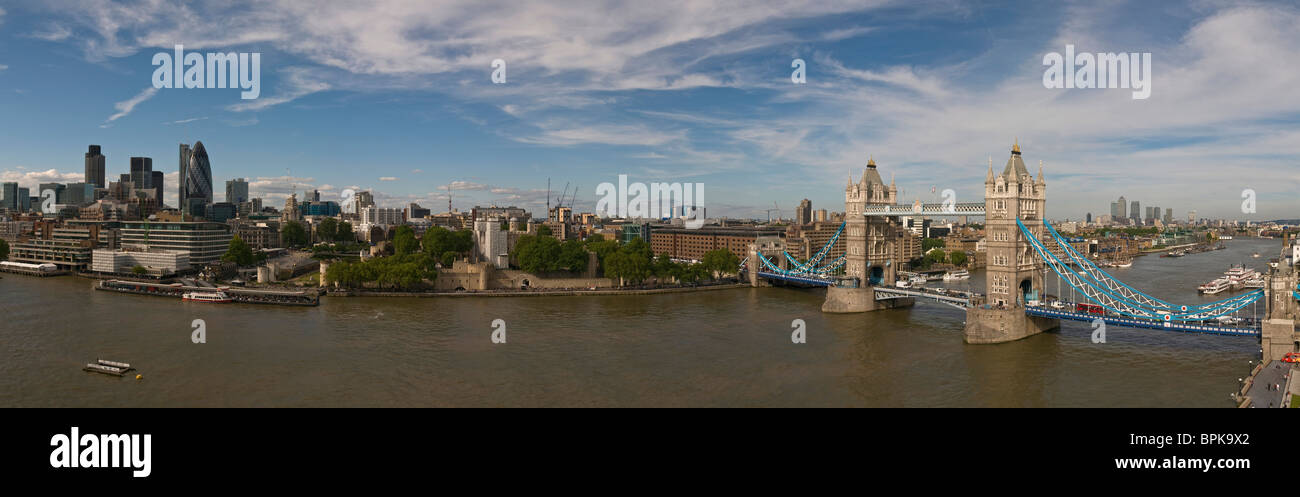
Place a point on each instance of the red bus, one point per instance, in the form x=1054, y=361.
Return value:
x=1090, y=309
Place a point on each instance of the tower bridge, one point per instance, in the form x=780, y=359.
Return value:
x=1023, y=251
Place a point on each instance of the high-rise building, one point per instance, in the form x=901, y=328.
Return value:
x=1123, y=209
x=95, y=167
x=237, y=190
x=60, y=189
x=1169, y=216
x=157, y=181
x=79, y=194
x=9, y=196
x=24, y=199
x=142, y=173
x=1114, y=210
x=1089, y=218
x=361, y=200
x=184, y=164
x=1135, y=212
x=196, y=180
x=803, y=214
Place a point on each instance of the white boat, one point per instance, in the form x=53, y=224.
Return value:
x=1125, y=264
x=960, y=274
x=217, y=297
x=1214, y=287
x=903, y=283
x=918, y=280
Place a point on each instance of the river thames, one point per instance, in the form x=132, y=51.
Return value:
x=717, y=348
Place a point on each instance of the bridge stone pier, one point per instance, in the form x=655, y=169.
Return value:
x=1015, y=271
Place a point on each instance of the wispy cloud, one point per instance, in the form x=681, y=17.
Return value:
x=184, y=121
x=125, y=107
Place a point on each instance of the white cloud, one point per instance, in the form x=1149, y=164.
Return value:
x=125, y=107
x=387, y=178
x=185, y=121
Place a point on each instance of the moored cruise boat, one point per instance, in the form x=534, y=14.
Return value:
x=217, y=297
x=960, y=274
x=1216, y=286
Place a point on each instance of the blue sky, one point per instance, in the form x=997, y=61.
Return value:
x=397, y=97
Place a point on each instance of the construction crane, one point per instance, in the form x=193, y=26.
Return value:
x=773, y=209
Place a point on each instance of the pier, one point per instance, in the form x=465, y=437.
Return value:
x=240, y=295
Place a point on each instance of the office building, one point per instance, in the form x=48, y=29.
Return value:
x=95, y=167
x=204, y=242
x=9, y=196
x=237, y=190
x=196, y=180
x=142, y=173
x=1135, y=212
x=157, y=182
x=803, y=213
x=1123, y=209
x=124, y=261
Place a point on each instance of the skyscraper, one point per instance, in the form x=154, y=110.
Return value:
x=158, y=187
x=1123, y=208
x=142, y=173
x=237, y=190
x=803, y=214
x=1135, y=212
x=9, y=196
x=196, y=180
x=95, y=167
x=1114, y=210
x=1169, y=216
x=180, y=182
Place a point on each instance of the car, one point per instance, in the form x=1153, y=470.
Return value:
x=1291, y=357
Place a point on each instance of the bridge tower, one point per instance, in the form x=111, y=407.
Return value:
x=870, y=245
x=1015, y=271
x=1278, y=335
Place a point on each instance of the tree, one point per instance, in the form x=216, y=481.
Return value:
x=293, y=234
x=404, y=241
x=632, y=263
x=537, y=254
x=721, y=261
x=239, y=252
x=344, y=232
x=139, y=270
x=958, y=258
x=328, y=229
x=448, y=258
x=935, y=256
x=543, y=230
x=929, y=243
x=4, y=250
x=573, y=256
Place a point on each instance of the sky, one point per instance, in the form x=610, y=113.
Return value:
x=398, y=97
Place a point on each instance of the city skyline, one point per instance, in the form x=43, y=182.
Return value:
x=698, y=96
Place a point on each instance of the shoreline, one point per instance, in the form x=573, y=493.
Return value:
x=539, y=293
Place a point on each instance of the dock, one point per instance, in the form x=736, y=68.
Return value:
x=240, y=295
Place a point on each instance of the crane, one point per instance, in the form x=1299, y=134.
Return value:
x=769, y=212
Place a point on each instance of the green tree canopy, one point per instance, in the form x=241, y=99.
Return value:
x=293, y=234
x=4, y=250
x=239, y=252
x=958, y=258
x=721, y=261
x=328, y=229
x=344, y=232
x=404, y=242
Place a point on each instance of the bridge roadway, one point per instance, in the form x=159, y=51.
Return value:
x=919, y=209
x=1142, y=323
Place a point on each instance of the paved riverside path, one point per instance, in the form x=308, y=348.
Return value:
x=1259, y=393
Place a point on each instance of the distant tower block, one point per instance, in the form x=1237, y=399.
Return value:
x=1015, y=272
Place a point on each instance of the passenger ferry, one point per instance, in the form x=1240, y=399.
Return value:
x=217, y=297
x=960, y=274
x=1217, y=286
